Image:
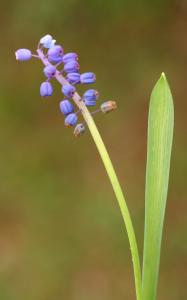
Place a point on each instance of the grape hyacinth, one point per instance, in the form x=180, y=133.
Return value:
x=64, y=67
x=52, y=57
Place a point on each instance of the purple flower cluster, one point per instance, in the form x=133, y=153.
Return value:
x=53, y=58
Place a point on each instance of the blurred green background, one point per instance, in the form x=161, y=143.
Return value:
x=61, y=232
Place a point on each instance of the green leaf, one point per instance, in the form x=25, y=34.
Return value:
x=160, y=135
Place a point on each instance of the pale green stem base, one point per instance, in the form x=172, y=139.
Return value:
x=121, y=201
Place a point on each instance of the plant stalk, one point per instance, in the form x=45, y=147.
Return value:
x=121, y=201
x=112, y=176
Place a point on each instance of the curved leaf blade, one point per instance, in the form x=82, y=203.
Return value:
x=160, y=136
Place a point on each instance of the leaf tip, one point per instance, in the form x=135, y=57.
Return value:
x=163, y=75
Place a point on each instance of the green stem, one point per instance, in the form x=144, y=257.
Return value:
x=120, y=198
x=112, y=176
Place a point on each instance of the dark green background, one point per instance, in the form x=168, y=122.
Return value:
x=61, y=232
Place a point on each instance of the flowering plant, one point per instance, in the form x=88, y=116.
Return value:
x=160, y=134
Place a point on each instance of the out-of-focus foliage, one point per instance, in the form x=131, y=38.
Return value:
x=61, y=233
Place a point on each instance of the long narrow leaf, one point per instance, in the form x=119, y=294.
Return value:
x=160, y=135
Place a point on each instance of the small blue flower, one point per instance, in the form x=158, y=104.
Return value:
x=46, y=89
x=47, y=41
x=73, y=78
x=90, y=102
x=55, y=54
x=49, y=71
x=23, y=54
x=71, y=120
x=91, y=95
x=71, y=66
x=66, y=107
x=88, y=77
x=69, y=56
x=68, y=90
x=55, y=60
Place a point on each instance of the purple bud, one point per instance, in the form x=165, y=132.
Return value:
x=71, y=120
x=47, y=41
x=66, y=107
x=55, y=54
x=79, y=130
x=68, y=90
x=69, y=56
x=71, y=66
x=91, y=95
x=55, y=60
x=49, y=71
x=73, y=78
x=88, y=77
x=46, y=89
x=90, y=102
x=23, y=54
x=55, y=51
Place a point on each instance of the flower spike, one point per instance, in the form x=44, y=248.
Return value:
x=52, y=56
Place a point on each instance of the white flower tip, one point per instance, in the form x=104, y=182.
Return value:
x=46, y=38
x=52, y=43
